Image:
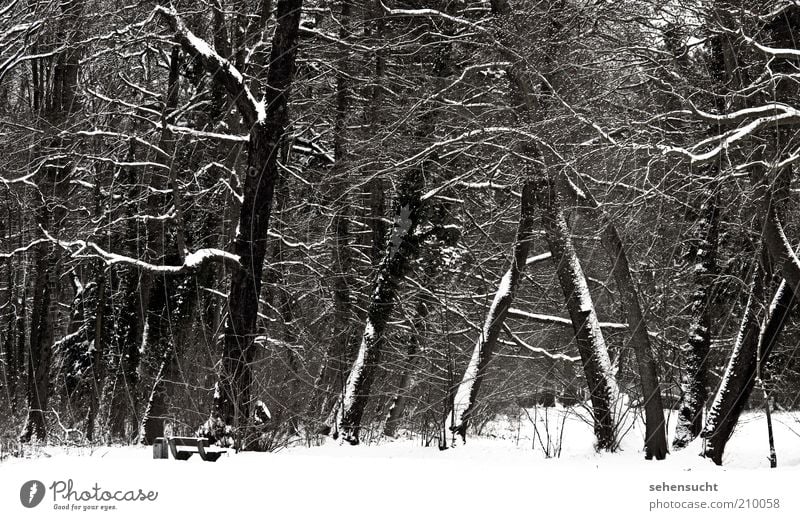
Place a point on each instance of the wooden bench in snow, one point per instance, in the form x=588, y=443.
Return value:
x=184, y=447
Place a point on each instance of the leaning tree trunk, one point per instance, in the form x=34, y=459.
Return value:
x=398, y=405
x=694, y=383
x=754, y=337
x=467, y=392
x=737, y=382
x=345, y=418
x=759, y=330
x=588, y=336
x=655, y=424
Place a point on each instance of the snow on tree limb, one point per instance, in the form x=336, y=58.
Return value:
x=538, y=350
x=23, y=249
x=85, y=248
x=434, y=13
x=771, y=51
x=219, y=68
x=558, y=320
x=726, y=139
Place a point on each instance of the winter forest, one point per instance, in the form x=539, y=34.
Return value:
x=276, y=223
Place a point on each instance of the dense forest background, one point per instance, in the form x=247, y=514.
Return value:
x=266, y=222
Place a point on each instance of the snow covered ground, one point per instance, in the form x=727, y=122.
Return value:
x=497, y=475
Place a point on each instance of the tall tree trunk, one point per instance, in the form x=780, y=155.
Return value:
x=230, y=416
x=655, y=424
x=125, y=401
x=331, y=373
x=694, y=383
x=467, y=392
x=232, y=400
x=345, y=419
x=588, y=336
x=740, y=374
x=98, y=356
x=737, y=382
x=62, y=103
x=41, y=339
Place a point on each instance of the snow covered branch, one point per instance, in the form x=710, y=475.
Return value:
x=538, y=350
x=558, y=320
x=787, y=115
x=434, y=13
x=88, y=249
x=218, y=67
x=770, y=51
x=23, y=249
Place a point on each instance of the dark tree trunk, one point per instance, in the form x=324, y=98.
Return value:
x=156, y=411
x=655, y=426
x=398, y=405
x=695, y=353
x=98, y=356
x=742, y=369
x=466, y=394
x=133, y=321
x=232, y=406
x=62, y=103
x=588, y=336
x=41, y=340
x=401, y=250
x=737, y=382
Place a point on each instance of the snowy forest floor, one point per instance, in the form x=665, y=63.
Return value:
x=501, y=473
x=550, y=436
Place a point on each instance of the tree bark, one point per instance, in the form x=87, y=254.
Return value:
x=694, y=383
x=759, y=329
x=466, y=393
x=588, y=336
x=345, y=418
x=655, y=424
x=62, y=103
x=231, y=413
x=398, y=405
